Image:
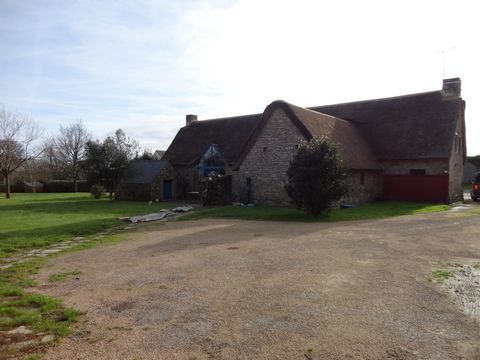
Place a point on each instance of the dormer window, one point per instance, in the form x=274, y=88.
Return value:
x=212, y=162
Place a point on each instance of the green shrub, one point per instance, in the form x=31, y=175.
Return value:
x=97, y=191
x=316, y=176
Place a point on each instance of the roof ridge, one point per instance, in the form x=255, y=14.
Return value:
x=227, y=118
x=321, y=113
x=377, y=99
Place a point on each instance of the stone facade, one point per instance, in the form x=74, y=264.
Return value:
x=404, y=167
x=457, y=162
x=167, y=174
x=152, y=191
x=399, y=148
x=364, y=186
x=267, y=162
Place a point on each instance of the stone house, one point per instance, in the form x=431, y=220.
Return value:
x=410, y=147
x=469, y=171
x=151, y=180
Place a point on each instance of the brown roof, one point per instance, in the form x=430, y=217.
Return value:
x=355, y=149
x=231, y=134
x=417, y=126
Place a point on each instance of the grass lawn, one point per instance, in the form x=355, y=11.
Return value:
x=38, y=220
x=368, y=211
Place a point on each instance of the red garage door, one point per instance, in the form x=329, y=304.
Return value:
x=431, y=188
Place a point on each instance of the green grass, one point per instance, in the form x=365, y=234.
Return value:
x=39, y=220
x=368, y=211
x=63, y=276
x=30, y=221
x=40, y=313
x=442, y=275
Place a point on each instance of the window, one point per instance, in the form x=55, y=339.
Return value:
x=264, y=149
x=212, y=162
x=417, y=172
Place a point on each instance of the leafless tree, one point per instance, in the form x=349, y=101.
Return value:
x=50, y=158
x=35, y=172
x=69, y=149
x=18, y=133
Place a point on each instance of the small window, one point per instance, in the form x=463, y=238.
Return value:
x=264, y=149
x=362, y=178
x=296, y=146
x=417, y=172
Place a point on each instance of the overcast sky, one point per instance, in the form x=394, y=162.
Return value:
x=143, y=65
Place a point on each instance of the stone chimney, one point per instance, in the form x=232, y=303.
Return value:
x=452, y=87
x=191, y=118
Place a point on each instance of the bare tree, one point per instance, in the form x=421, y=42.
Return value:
x=35, y=172
x=70, y=149
x=50, y=158
x=18, y=132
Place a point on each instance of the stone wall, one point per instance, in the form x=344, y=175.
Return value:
x=189, y=176
x=457, y=161
x=267, y=161
x=217, y=191
x=167, y=173
x=153, y=191
x=364, y=186
x=403, y=167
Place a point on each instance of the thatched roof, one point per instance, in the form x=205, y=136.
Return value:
x=231, y=134
x=417, y=126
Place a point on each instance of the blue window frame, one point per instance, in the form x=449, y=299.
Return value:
x=212, y=162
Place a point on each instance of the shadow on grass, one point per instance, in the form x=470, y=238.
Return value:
x=14, y=241
x=89, y=206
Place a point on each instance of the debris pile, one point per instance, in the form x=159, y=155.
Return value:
x=162, y=214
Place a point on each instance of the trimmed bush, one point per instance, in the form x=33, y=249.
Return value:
x=316, y=176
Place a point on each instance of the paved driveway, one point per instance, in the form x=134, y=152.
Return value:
x=224, y=289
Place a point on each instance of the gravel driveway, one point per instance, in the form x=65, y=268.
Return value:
x=226, y=289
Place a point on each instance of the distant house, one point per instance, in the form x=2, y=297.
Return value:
x=150, y=180
x=470, y=169
x=158, y=154
x=409, y=147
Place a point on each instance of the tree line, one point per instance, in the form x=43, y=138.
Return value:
x=72, y=154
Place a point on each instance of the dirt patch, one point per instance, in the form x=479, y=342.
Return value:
x=462, y=282
x=357, y=290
